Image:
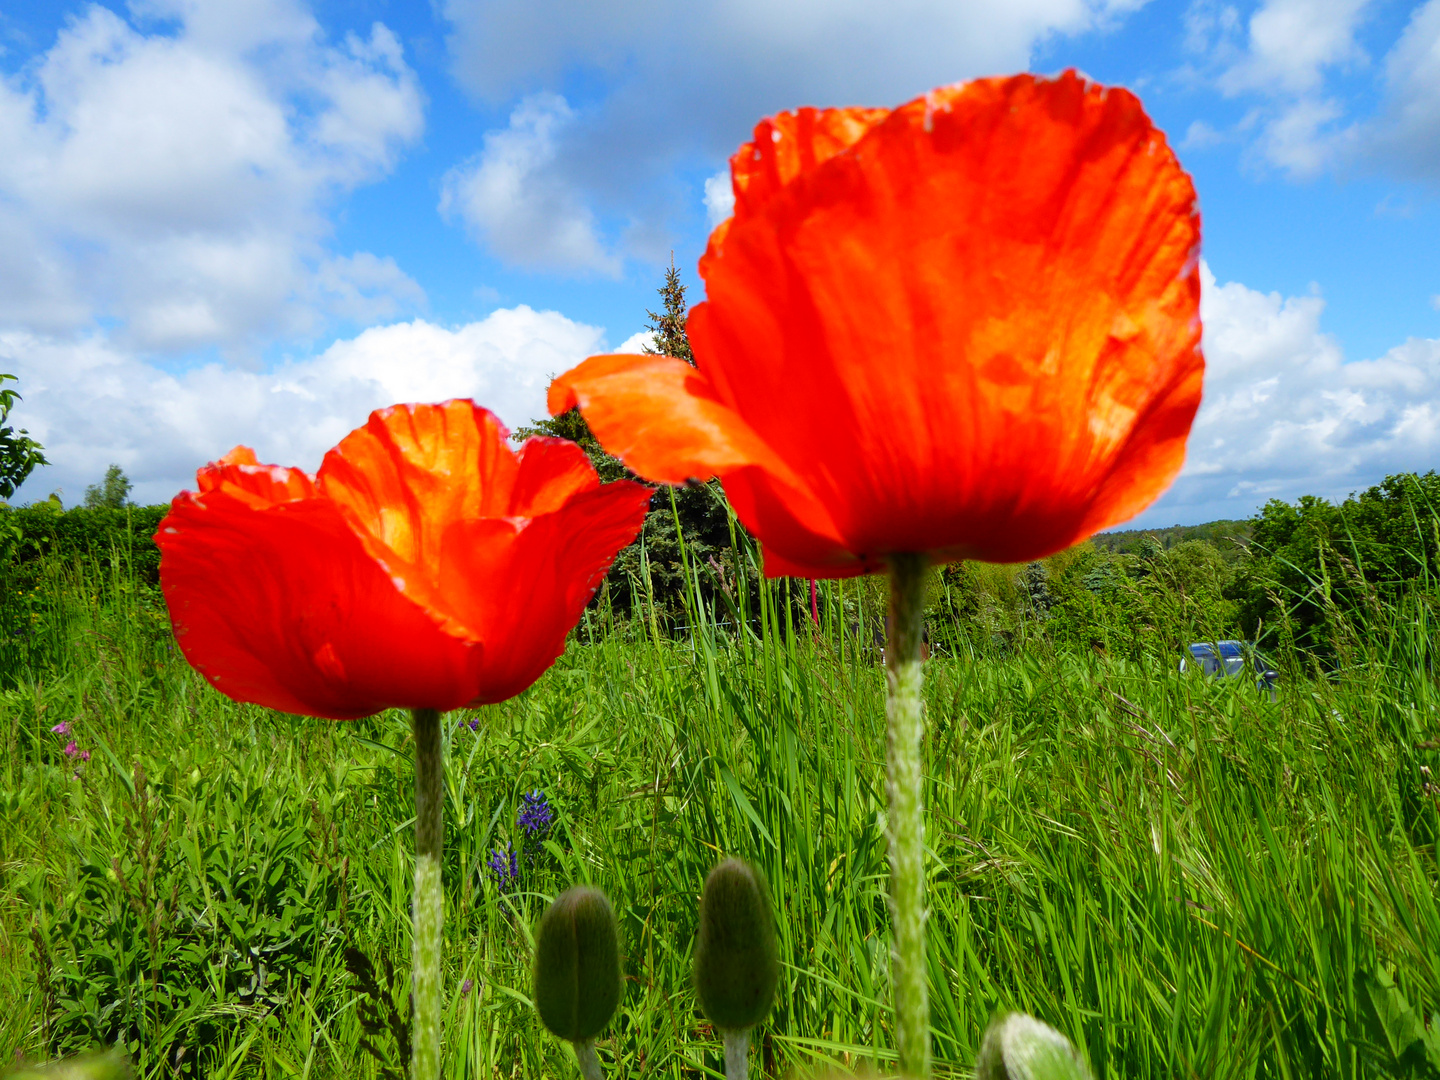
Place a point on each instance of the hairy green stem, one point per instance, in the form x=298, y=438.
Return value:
x=589, y=1060
x=429, y=912
x=904, y=759
x=737, y=1054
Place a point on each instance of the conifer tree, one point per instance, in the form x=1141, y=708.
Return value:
x=668, y=326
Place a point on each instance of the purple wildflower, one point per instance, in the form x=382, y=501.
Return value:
x=504, y=868
x=62, y=728
x=71, y=749
x=536, y=816
x=474, y=724
x=466, y=987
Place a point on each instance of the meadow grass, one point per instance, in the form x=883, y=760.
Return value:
x=1184, y=877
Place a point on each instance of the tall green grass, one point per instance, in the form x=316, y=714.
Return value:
x=1185, y=878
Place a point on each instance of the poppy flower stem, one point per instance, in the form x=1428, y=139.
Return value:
x=737, y=1054
x=904, y=759
x=429, y=913
x=589, y=1060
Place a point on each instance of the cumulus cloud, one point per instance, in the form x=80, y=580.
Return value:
x=513, y=200
x=169, y=174
x=719, y=197
x=683, y=85
x=1406, y=134
x=91, y=403
x=1293, y=42
x=1285, y=58
x=1289, y=48
x=1286, y=414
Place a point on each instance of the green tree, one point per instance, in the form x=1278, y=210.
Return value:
x=704, y=523
x=668, y=325
x=112, y=493
x=19, y=454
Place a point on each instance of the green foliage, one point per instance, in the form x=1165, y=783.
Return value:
x=1180, y=876
x=112, y=493
x=20, y=455
x=668, y=325
x=648, y=577
x=1228, y=537
x=1314, y=560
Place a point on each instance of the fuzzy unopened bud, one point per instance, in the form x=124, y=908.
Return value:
x=1019, y=1047
x=577, y=964
x=737, y=961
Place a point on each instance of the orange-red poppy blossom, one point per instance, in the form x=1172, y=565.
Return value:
x=426, y=565
x=967, y=327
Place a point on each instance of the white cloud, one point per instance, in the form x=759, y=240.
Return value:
x=516, y=203
x=1287, y=58
x=1406, y=134
x=682, y=85
x=637, y=342
x=1290, y=47
x=1284, y=414
x=1200, y=136
x=172, y=181
x=719, y=197
x=91, y=403
x=1298, y=139
x=1292, y=42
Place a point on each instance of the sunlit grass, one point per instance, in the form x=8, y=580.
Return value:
x=1183, y=877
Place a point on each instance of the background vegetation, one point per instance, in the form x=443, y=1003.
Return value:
x=1186, y=878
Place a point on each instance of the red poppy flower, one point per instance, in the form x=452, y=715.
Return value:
x=426, y=565
x=968, y=328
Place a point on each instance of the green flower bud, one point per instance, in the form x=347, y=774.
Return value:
x=737, y=962
x=1019, y=1047
x=577, y=964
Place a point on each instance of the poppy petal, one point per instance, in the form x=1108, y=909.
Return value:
x=973, y=331
x=790, y=143
x=662, y=418
x=796, y=529
x=260, y=485
x=406, y=476
x=283, y=607
x=551, y=473
x=524, y=584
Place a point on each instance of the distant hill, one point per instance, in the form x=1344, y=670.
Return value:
x=1228, y=536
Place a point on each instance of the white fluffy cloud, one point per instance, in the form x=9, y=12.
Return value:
x=512, y=199
x=91, y=403
x=683, y=84
x=1286, y=414
x=1406, y=135
x=1293, y=42
x=1284, y=58
x=168, y=175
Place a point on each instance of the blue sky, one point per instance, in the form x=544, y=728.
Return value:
x=228, y=222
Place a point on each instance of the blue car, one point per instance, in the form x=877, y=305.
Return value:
x=1234, y=658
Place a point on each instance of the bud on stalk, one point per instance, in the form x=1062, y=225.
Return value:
x=577, y=970
x=737, y=962
x=1019, y=1047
